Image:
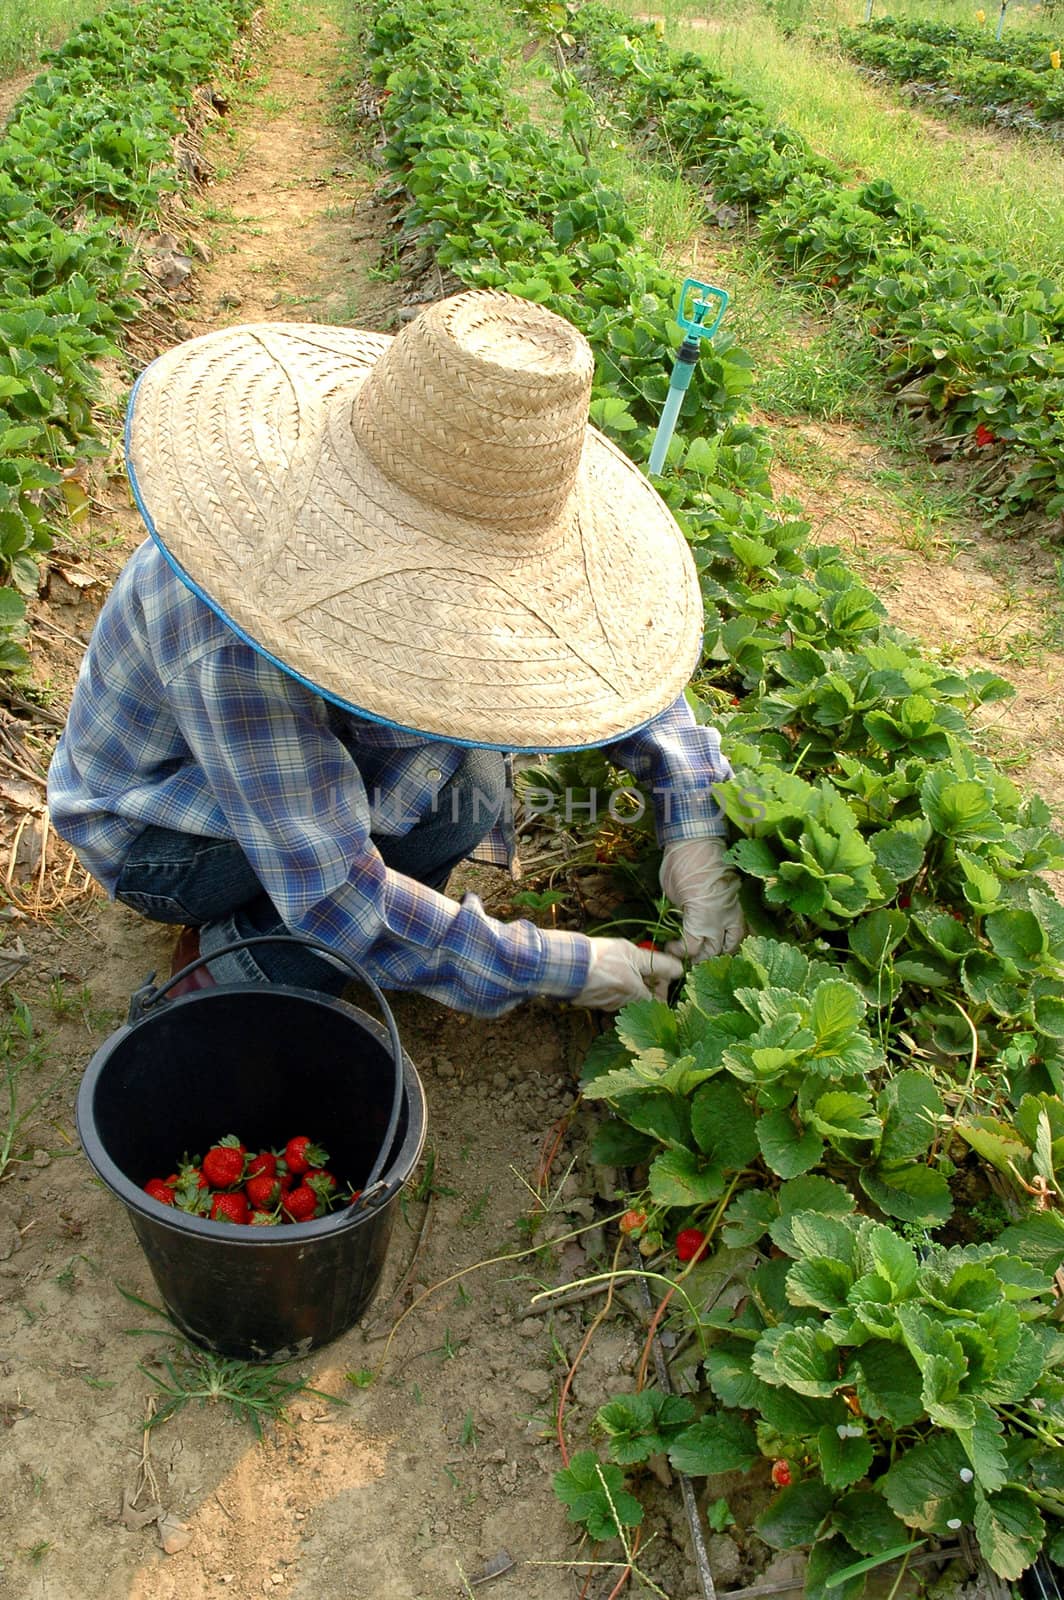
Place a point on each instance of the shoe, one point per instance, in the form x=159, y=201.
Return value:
x=187, y=949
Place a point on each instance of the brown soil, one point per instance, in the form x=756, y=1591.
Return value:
x=10, y=89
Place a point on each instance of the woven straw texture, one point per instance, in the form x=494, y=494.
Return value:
x=423, y=527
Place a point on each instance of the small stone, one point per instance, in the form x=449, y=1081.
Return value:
x=41, y=1158
x=444, y=1068
x=725, y=1562
x=530, y=1328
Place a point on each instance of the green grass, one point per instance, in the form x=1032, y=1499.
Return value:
x=999, y=193
x=29, y=27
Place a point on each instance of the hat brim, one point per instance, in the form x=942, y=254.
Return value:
x=250, y=477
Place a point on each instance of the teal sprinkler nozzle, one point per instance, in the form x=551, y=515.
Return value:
x=696, y=328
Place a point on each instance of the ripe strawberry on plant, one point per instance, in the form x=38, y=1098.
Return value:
x=301, y=1204
x=160, y=1190
x=690, y=1244
x=301, y=1156
x=781, y=1474
x=230, y=1208
x=223, y=1165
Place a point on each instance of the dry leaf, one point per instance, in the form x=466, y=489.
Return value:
x=29, y=796
x=134, y=1518
x=173, y=1535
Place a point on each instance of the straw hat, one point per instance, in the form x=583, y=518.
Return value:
x=422, y=528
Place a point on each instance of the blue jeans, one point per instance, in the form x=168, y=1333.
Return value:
x=184, y=878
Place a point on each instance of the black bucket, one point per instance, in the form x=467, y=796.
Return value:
x=267, y=1063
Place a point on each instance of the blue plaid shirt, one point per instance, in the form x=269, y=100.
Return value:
x=176, y=722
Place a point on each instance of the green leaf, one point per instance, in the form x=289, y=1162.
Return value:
x=900, y=851
x=718, y=1442
x=594, y=1490
x=889, y=1383
x=875, y=936
x=680, y=1178
x=924, y=1485
x=1038, y=1239
x=841, y=1115
x=894, y=1259
x=836, y=1011
x=959, y=808
x=843, y=1460
x=867, y=1523
x=819, y=1281
x=796, y=1515
x=802, y=1357
x=731, y=1377
x=910, y=1107
x=1010, y=1531
x=748, y=1218
x=1017, y=935
x=788, y=1149
x=646, y=1025
x=640, y=1425
x=722, y=1122
x=909, y=1191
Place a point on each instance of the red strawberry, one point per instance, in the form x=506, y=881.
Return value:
x=223, y=1165
x=301, y=1204
x=983, y=436
x=633, y=1222
x=160, y=1190
x=690, y=1244
x=356, y=1194
x=781, y=1474
x=648, y=944
x=230, y=1208
x=263, y=1192
x=301, y=1156
x=264, y=1165
x=264, y=1219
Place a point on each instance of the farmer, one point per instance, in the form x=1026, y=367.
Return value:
x=376, y=564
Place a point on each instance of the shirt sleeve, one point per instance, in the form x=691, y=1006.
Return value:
x=295, y=801
x=680, y=762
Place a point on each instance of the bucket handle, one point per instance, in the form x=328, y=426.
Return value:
x=376, y=1190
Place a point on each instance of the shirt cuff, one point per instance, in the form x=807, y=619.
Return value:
x=688, y=813
x=566, y=962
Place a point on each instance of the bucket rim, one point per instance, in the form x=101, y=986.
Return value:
x=245, y=1237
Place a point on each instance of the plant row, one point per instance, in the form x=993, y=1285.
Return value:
x=965, y=337
x=969, y=71
x=820, y=1111
x=86, y=157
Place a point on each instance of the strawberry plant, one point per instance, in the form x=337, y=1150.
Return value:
x=86, y=156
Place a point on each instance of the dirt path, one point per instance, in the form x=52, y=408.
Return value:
x=443, y=1463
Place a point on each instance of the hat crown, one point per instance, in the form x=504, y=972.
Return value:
x=479, y=408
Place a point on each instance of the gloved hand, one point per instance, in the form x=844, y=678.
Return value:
x=620, y=971
x=696, y=878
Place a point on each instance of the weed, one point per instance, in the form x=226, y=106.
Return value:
x=254, y=1392
x=361, y=1377
x=467, y=1438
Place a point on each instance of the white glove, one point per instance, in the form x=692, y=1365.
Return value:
x=695, y=877
x=620, y=972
